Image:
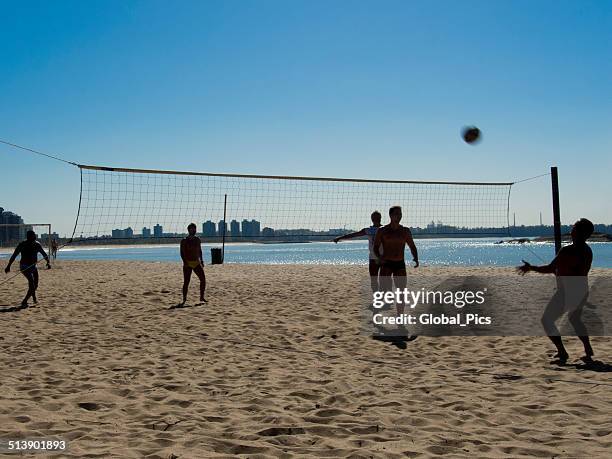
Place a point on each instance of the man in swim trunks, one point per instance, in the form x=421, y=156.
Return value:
x=370, y=232
x=191, y=254
x=389, y=245
x=29, y=250
x=571, y=267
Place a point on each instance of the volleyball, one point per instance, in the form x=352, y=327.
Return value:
x=471, y=134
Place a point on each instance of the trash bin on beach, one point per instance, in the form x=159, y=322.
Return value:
x=216, y=256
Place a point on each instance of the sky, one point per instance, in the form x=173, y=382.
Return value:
x=319, y=88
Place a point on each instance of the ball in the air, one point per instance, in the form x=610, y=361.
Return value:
x=471, y=134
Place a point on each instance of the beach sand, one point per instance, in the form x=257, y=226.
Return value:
x=274, y=365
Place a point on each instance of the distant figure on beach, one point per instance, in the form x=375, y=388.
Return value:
x=389, y=246
x=54, y=248
x=191, y=254
x=571, y=267
x=29, y=250
x=370, y=232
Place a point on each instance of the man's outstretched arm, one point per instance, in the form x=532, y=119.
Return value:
x=543, y=269
x=350, y=235
x=413, y=249
x=44, y=254
x=12, y=259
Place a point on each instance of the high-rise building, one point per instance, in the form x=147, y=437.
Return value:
x=158, y=231
x=209, y=229
x=255, y=228
x=146, y=232
x=129, y=232
x=235, y=228
x=221, y=227
x=246, y=228
x=10, y=233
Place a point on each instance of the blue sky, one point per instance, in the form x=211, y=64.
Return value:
x=348, y=89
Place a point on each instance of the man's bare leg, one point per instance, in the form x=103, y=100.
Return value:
x=554, y=310
x=575, y=319
x=186, y=278
x=374, y=269
x=31, y=288
x=200, y=273
x=399, y=278
x=35, y=278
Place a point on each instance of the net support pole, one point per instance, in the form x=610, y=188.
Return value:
x=224, y=228
x=554, y=178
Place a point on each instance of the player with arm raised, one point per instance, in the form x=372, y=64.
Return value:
x=370, y=232
x=571, y=267
x=29, y=250
x=191, y=254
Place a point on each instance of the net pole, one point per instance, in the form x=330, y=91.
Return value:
x=554, y=178
x=224, y=228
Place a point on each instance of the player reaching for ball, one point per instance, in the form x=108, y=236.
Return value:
x=571, y=267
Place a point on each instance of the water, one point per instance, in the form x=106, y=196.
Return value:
x=458, y=252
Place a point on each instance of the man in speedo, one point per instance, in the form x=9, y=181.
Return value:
x=191, y=254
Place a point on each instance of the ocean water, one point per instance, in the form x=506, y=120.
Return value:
x=459, y=252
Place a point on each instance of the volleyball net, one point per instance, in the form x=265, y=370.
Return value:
x=152, y=205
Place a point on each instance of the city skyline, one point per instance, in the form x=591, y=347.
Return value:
x=252, y=229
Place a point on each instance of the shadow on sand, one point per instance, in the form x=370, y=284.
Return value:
x=185, y=305
x=397, y=341
x=596, y=366
x=14, y=308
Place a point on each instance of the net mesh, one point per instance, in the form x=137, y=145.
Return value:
x=125, y=204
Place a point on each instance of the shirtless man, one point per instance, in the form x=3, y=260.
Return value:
x=370, y=232
x=393, y=239
x=29, y=250
x=571, y=267
x=191, y=254
x=54, y=248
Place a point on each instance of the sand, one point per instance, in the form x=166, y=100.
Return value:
x=274, y=366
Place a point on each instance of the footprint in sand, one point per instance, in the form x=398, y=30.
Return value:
x=276, y=431
x=89, y=406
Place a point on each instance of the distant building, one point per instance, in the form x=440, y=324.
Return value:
x=123, y=233
x=246, y=228
x=235, y=228
x=251, y=228
x=255, y=228
x=158, y=231
x=209, y=229
x=146, y=232
x=222, y=227
x=267, y=232
x=45, y=236
x=11, y=233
